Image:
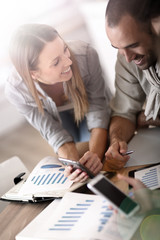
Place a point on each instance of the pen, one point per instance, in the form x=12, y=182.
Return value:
x=127, y=153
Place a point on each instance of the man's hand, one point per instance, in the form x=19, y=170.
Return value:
x=114, y=157
x=120, y=132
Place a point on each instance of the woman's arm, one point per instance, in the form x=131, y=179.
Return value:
x=48, y=124
x=69, y=150
x=98, y=141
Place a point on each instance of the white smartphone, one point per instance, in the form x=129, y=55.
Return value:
x=124, y=204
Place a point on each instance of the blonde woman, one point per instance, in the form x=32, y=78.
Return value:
x=59, y=89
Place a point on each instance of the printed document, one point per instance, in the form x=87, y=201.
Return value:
x=80, y=217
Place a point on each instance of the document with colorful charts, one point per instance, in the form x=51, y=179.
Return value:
x=47, y=180
x=80, y=216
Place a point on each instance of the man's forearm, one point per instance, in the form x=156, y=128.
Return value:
x=121, y=129
x=98, y=141
x=141, y=121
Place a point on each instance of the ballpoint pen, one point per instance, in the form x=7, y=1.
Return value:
x=127, y=153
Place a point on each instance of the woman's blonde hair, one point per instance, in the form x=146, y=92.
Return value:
x=25, y=48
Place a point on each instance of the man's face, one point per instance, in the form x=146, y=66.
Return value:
x=133, y=42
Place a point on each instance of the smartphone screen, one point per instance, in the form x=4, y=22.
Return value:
x=120, y=200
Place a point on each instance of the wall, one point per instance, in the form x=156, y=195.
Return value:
x=94, y=15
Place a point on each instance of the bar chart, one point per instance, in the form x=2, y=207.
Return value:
x=105, y=214
x=72, y=216
x=150, y=177
x=78, y=214
x=81, y=216
x=46, y=177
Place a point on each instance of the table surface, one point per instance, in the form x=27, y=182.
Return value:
x=17, y=215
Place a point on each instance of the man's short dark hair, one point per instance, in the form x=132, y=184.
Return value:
x=141, y=10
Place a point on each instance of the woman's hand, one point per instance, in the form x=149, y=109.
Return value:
x=141, y=193
x=135, y=183
x=91, y=161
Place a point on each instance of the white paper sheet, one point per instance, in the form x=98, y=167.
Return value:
x=150, y=176
x=80, y=217
x=146, y=147
x=47, y=176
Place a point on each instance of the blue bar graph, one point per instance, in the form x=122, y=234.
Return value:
x=61, y=169
x=78, y=209
x=56, y=177
x=45, y=179
x=105, y=216
x=33, y=178
x=71, y=216
x=36, y=179
x=47, y=176
x=77, y=213
x=60, y=229
x=51, y=178
x=41, y=180
x=84, y=204
x=51, y=166
x=150, y=179
x=60, y=178
x=64, y=180
x=67, y=220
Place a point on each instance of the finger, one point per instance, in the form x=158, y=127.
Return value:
x=93, y=160
x=116, y=149
x=116, y=155
x=74, y=174
x=123, y=147
x=96, y=168
x=68, y=170
x=88, y=155
x=84, y=179
x=80, y=177
x=137, y=184
x=115, y=164
x=94, y=164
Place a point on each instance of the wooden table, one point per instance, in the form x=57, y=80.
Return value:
x=17, y=215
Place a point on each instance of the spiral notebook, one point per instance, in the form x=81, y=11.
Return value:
x=45, y=182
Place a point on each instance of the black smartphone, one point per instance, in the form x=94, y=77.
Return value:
x=124, y=204
x=76, y=165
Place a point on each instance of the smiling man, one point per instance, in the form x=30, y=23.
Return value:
x=133, y=27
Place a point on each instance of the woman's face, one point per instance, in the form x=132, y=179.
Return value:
x=54, y=63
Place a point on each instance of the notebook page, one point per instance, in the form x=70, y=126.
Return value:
x=47, y=176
